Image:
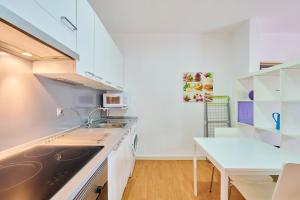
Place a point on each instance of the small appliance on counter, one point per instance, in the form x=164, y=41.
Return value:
x=114, y=100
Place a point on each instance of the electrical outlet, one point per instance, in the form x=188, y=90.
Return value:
x=59, y=112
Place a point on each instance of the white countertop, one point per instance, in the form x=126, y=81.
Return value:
x=106, y=137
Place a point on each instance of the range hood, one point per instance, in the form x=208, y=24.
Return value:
x=50, y=58
x=21, y=38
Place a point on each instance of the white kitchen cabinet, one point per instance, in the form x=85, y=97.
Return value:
x=116, y=64
x=100, y=57
x=108, y=58
x=100, y=64
x=85, y=38
x=100, y=51
x=37, y=14
x=113, y=175
x=119, y=169
x=109, y=69
x=119, y=68
x=127, y=162
x=60, y=9
x=116, y=173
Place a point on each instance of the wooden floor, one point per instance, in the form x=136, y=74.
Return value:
x=172, y=180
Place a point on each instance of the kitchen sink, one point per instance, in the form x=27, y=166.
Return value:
x=108, y=125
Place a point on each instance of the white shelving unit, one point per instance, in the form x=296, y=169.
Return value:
x=290, y=79
x=263, y=114
x=276, y=89
x=243, y=87
x=290, y=125
x=267, y=88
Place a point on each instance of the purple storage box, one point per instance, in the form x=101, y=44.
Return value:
x=245, y=112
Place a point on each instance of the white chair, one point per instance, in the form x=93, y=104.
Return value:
x=286, y=188
x=227, y=132
x=236, y=132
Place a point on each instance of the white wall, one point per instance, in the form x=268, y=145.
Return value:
x=154, y=65
x=240, y=44
x=240, y=54
x=28, y=104
x=273, y=40
x=279, y=47
x=254, y=45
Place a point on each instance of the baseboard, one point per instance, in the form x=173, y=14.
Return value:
x=167, y=157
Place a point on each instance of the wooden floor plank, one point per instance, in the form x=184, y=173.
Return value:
x=173, y=180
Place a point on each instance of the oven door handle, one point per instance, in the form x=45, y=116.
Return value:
x=100, y=190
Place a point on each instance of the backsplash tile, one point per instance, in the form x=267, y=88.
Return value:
x=28, y=103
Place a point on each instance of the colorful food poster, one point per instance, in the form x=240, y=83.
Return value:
x=197, y=87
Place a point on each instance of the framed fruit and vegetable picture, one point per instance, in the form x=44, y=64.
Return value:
x=198, y=86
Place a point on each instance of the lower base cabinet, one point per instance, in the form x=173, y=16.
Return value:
x=119, y=162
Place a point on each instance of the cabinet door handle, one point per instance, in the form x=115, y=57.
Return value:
x=68, y=23
x=117, y=146
x=89, y=74
x=120, y=87
x=109, y=82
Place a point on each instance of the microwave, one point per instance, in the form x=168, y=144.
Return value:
x=114, y=100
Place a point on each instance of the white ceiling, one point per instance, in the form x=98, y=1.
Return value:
x=184, y=16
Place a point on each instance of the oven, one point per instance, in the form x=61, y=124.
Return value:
x=96, y=188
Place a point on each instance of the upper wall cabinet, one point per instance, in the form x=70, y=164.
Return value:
x=108, y=59
x=75, y=24
x=100, y=58
x=118, y=67
x=85, y=38
x=56, y=18
x=64, y=11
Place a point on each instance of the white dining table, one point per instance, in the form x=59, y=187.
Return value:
x=240, y=156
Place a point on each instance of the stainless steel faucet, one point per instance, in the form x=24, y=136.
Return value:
x=90, y=119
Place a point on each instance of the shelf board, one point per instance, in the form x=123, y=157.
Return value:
x=273, y=130
x=291, y=135
x=244, y=124
x=115, y=108
x=267, y=100
x=245, y=100
x=270, y=100
x=275, y=70
x=245, y=78
x=290, y=101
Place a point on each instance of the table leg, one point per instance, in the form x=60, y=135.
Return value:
x=224, y=185
x=195, y=171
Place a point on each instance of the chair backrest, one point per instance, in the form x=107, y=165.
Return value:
x=227, y=132
x=287, y=187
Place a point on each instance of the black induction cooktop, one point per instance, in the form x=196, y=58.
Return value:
x=38, y=173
